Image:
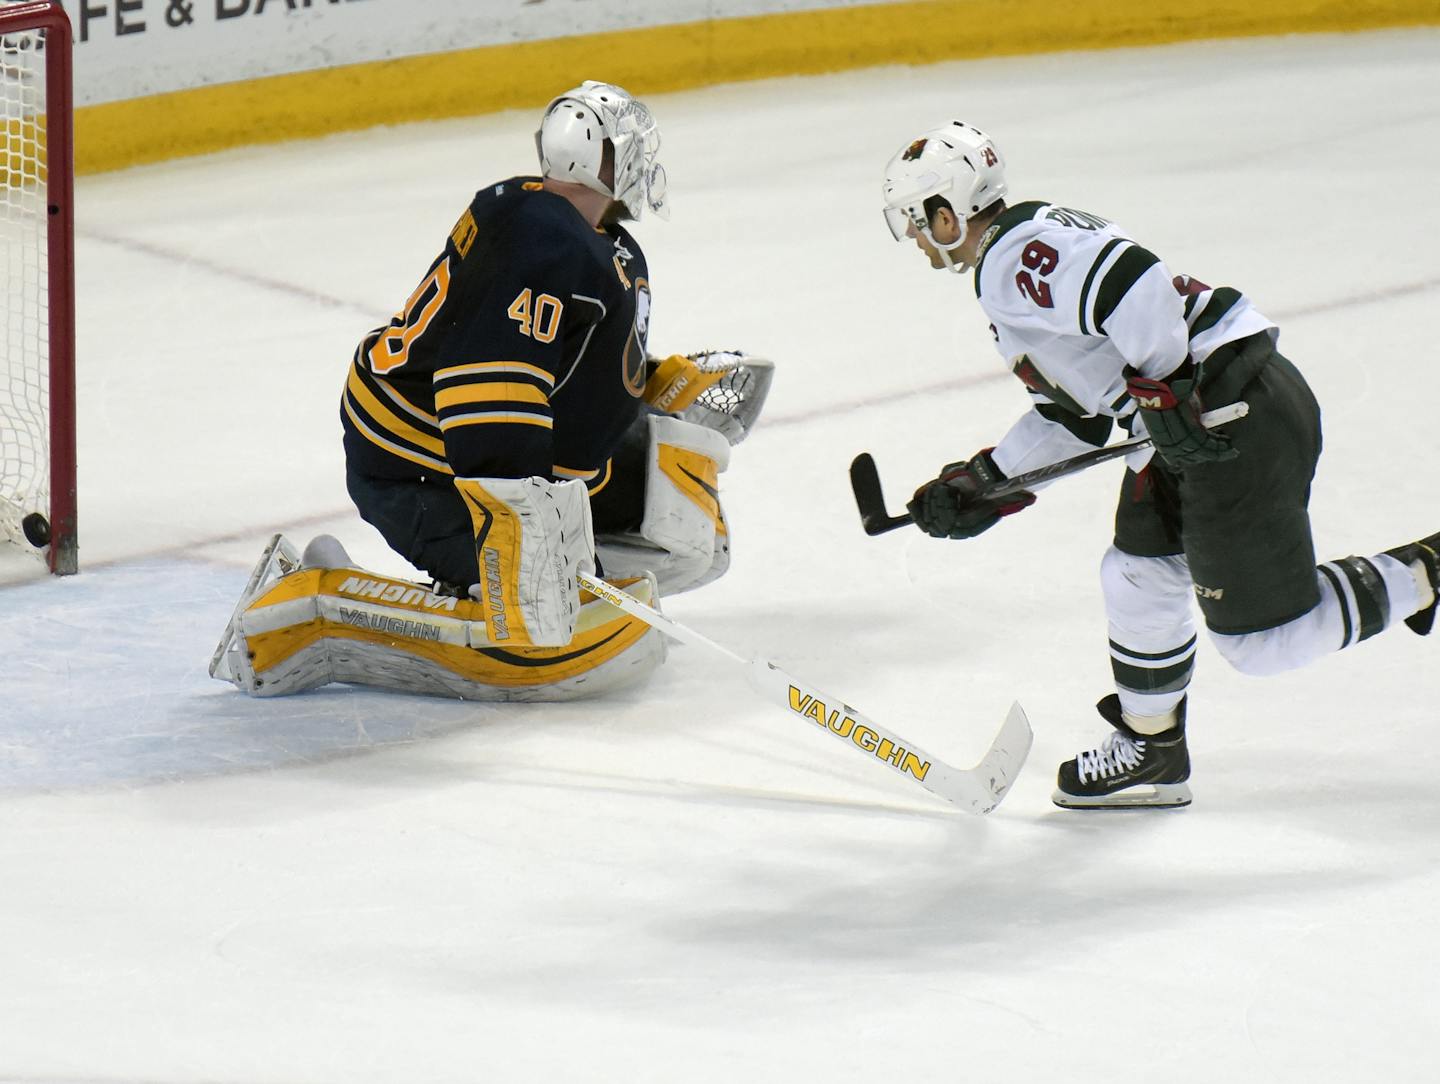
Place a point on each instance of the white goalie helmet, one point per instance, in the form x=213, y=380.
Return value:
x=571, y=144
x=956, y=161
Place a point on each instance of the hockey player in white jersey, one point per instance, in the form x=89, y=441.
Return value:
x=1101, y=332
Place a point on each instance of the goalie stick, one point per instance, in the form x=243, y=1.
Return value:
x=976, y=790
x=870, y=497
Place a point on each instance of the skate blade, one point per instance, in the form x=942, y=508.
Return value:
x=1148, y=796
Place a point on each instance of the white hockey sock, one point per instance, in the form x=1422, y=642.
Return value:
x=1152, y=635
x=1424, y=591
x=1150, y=724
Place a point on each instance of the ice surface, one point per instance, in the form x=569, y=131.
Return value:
x=682, y=883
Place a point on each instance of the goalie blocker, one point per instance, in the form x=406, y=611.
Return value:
x=682, y=536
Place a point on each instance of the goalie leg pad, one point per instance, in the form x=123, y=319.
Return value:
x=230, y=661
x=316, y=625
x=683, y=537
x=531, y=537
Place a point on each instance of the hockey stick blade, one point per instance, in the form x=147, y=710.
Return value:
x=976, y=790
x=870, y=496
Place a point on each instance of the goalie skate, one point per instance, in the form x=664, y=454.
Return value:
x=229, y=662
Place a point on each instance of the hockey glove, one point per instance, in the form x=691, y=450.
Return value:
x=1170, y=412
x=948, y=507
x=724, y=390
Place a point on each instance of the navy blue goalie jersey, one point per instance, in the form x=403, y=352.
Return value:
x=521, y=353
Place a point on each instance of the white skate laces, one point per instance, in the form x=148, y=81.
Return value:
x=1117, y=754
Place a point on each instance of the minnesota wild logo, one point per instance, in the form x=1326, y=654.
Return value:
x=913, y=151
x=1031, y=376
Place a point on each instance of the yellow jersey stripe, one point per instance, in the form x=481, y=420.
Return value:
x=382, y=387
x=496, y=392
x=378, y=385
x=541, y=420
x=489, y=368
x=390, y=446
x=604, y=481
x=387, y=419
x=566, y=472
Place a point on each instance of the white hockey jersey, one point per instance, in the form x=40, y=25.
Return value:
x=1072, y=301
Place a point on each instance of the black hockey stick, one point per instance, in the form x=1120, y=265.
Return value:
x=870, y=498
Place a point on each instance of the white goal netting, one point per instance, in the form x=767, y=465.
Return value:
x=24, y=300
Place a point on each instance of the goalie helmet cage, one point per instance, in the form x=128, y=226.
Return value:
x=37, y=319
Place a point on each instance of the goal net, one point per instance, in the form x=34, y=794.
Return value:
x=37, y=413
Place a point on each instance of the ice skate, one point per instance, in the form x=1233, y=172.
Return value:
x=325, y=551
x=228, y=662
x=1425, y=554
x=1129, y=770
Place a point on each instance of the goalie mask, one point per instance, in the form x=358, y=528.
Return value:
x=955, y=161
x=571, y=144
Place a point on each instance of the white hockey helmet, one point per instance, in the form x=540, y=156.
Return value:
x=571, y=144
x=956, y=161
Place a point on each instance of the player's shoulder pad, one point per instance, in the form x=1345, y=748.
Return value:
x=534, y=231
x=522, y=210
x=1044, y=237
x=1021, y=221
x=626, y=255
x=624, y=237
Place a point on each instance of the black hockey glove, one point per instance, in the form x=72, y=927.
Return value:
x=1170, y=412
x=947, y=507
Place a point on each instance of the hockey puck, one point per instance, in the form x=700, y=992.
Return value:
x=37, y=530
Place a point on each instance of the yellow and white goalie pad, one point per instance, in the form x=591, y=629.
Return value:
x=683, y=537
x=531, y=537
x=298, y=627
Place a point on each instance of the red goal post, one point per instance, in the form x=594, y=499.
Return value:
x=37, y=312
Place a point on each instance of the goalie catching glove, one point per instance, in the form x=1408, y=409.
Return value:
x=724, y=390
x=949, y=506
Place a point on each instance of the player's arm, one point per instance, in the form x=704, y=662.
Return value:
x=949, y=506
x=492, y=397
x=1047, y=434
x=1139, y=308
